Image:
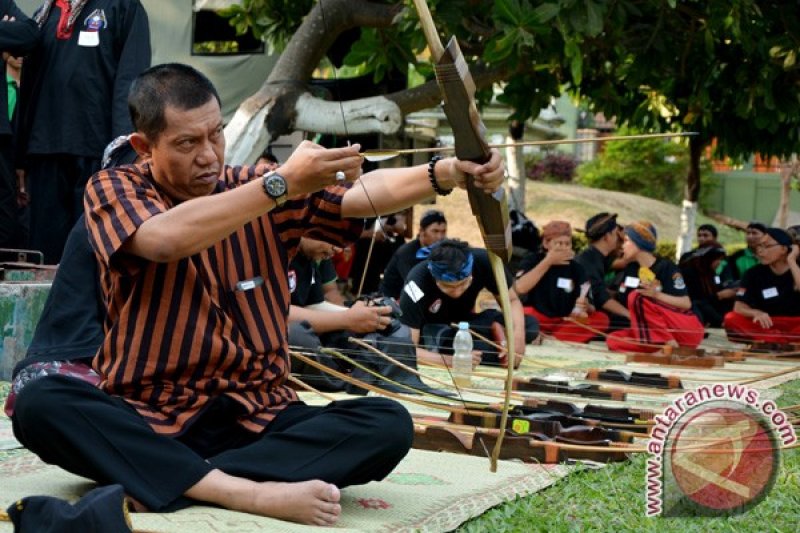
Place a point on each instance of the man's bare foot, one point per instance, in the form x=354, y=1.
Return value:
x=308, y=502
x=311, y=502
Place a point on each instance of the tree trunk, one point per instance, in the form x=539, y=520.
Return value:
x=690, y=197
x=284, y=104
x=516, y=167
x=788, y=171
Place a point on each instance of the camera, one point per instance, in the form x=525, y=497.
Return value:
x=379, y=300
x=389, y=302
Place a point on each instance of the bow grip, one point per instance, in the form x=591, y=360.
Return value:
x=458, y=88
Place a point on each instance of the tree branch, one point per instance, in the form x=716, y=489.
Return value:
x=428, y=95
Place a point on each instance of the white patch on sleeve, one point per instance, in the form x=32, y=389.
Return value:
x=413, y=291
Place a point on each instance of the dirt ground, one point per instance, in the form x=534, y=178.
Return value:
x=574, y=204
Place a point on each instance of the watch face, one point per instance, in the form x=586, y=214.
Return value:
x=275, y=185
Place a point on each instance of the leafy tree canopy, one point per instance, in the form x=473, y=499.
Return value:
x=727, y=68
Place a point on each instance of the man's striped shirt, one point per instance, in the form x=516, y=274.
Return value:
x=181, y=333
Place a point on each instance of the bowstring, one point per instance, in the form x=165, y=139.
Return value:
x=379, y=220
x=375, y=211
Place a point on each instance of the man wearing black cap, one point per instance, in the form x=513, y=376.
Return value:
x=603, y=233
x=432, y=229
x=768, y=302
x=746, y=258
x=444, y=289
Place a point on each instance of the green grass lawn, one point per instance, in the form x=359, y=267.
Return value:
x=613, y=498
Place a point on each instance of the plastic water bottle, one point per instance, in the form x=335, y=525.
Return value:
x=462, y=356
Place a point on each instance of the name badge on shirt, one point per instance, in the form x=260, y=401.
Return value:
x=772, y=292
x=413, y=291
x=564, y=283
x=631, y=282
x=89, y=38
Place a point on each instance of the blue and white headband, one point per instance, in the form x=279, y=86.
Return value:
x=441, y=270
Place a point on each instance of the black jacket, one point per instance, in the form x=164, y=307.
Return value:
x=17, y=38
x=73, y=92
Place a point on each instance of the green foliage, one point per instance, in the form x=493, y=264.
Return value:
x=579, y=241
x=666, y=249
x=727, y=69
x=216, y=47
x=651, y=167
x=272, y=21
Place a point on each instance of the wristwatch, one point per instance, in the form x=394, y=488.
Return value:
x=275, y=187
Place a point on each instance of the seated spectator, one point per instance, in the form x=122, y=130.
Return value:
x=655, y=293
x=746, y=258
x=316, y=321
x=706, y=236
x=70, y=329
x=373, y=250
x=711, y=294
x=444, y=290
x=552, y=286
x=767, y=307
x=604, y=237
x=432, y=229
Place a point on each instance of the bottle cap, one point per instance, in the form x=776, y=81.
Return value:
x=463, y=325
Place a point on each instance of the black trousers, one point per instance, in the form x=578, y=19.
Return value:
x=12, y=232
x=439, y=337
x=56, y=184
x=82, y=429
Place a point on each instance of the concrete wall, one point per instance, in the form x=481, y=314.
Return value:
x=750, y=196
x=21, y=306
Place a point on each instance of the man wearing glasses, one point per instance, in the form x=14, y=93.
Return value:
x=444, y=290
x=767, y=307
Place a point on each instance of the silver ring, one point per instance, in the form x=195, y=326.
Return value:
x=340, y=175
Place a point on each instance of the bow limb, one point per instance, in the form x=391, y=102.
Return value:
x=458, y=94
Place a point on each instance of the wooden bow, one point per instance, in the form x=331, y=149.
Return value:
x=491, y=211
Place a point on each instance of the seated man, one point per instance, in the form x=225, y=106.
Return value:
x=192, y=257
x=432, y=229
x=444, y=290
x=315, y=321
x=711, y=295
x=706, y=236
x=551, y=287
x=604, y=240
x=655, y=293
x=767, y=308
x=743, y=260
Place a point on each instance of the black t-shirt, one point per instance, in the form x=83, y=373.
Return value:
x=422, y=302
x=71, y=325
x=558, y=290
x=769, y=292
x=700, y=286
x=667, y=273
x=306, y=279
x=593, y=263
x=401, y=263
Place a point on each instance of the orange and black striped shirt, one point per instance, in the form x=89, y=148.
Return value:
x=181, y=333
